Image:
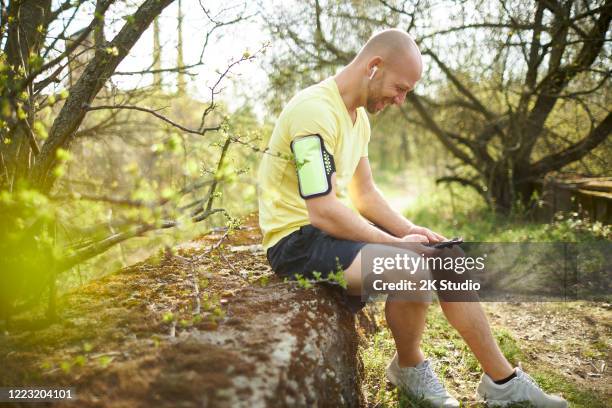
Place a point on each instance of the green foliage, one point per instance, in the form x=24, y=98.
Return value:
x=335, y=277
x=263, y=280
x=375, y=356
x=168, y=317
x=104, y=361
x=578, y=395
x=80, y=360
x=463, y=214
x=27, y=245
x=509, y=346
x=66, y=367
x=302, y=281
x=338, y=275
x=121, y=174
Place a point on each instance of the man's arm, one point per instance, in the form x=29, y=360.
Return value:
x=372, y=205
x=329, y=214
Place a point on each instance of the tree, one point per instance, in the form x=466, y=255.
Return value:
x=181, y=85
x=157, y=78
x=504, y=79
x=43, y=119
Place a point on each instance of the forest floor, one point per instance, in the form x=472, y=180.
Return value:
x=115, y=334
x=120, y=340
x=565, y=347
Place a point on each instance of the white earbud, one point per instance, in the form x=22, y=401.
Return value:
x=374, y=68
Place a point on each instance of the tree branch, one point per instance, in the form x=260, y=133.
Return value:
x=460, y=87
x=82, y=36
x=157, y=115
x=441, y=134
x=554, y=82
x=574, y=152
x=99, y=69
x=464, y=182
x=102, y=245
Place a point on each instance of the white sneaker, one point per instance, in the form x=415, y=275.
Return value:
x=522, y=388
x=421, y=382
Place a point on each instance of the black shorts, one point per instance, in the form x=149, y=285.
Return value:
x=308, y=250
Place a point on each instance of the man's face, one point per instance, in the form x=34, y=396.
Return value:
x=390, y=85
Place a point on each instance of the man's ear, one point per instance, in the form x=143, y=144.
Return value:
x=373, y=64
x=374, y=68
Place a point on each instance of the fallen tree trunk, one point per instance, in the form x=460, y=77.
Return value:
x=188, y=331
x=287, y=347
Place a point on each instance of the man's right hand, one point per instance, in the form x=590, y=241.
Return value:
x=415, y=238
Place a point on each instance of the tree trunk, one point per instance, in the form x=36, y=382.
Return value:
x=23, y=40
x=97, y=72
x=157, y=76
x=181, y=84
x=501, y=189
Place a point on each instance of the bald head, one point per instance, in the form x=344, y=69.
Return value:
x=388, y=44
x=389, y=66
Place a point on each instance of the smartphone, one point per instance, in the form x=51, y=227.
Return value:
x=448, y=244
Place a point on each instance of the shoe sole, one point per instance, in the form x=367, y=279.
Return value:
x=393, y=380
x=492, y=403
x=498, y=403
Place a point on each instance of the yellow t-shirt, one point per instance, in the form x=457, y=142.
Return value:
x=318, y=109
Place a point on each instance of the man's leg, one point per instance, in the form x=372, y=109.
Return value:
x=407, y=322
x=469, y=319
x=408, y=368
x=407, y=319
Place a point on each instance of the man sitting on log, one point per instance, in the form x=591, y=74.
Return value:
x=319, y=151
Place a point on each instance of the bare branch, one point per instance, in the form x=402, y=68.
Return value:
x=157, y=115
x=441, y=134
x=98, y=70
x=102, y=245
x=214, y=89
x=574, y=152
x=464, y=182
x=86, y=31
x=460, y=87
x=213, y=186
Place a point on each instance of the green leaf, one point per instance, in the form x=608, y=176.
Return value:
x=105, y=361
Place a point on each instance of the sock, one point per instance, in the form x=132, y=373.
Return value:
x=505, y=380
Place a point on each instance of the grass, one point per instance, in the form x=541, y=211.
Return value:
x=579, y=397
x=464, y=214
x=455, y=363
x=457, y=367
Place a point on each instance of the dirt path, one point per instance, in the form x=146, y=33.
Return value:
x=571, y=339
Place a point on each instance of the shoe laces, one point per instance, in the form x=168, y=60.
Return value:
x=526, y=378
x=430, y=380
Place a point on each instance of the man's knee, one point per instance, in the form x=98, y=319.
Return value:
x=394, y=271
x=399, y=303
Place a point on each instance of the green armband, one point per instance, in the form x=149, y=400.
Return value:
x=315, y=166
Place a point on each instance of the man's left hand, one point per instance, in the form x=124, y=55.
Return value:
x=431, y=236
